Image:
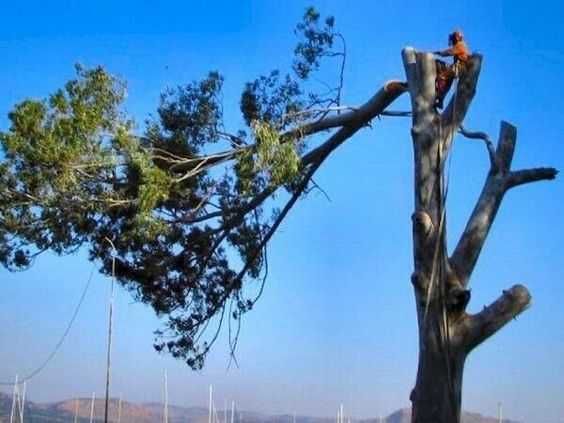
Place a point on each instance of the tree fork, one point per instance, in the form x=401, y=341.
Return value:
x=447, y=334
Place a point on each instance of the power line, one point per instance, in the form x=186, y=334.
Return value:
x=61, y=340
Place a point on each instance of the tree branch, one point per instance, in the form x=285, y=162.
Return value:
x=365, y=113
x=357, y=118
x=351, y=122
x=470, y=245
x=480, y=326
x=394, y=113
x=498, y=181
x=525, y=176
x=487, y=140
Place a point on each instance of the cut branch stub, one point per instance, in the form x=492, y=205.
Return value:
x=422, y=223
x=480, y=326
x=525, y=176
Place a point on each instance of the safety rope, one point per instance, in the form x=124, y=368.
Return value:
x=445, y=333
x=437, y=272
x=443, y=189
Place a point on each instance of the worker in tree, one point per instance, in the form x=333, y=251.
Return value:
x=446, y=73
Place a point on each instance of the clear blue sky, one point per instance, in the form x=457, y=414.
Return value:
x=337, y=322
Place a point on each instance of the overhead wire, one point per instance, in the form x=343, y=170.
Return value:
x=62, y=339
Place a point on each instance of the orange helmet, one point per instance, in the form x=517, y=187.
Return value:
x=455, y=37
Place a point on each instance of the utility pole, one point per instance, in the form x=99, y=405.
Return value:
x=119, y=409
x=22, y=403
x=92, y=407
x=165, y=416
x=500, y=412
x=210, y=405
x=110, y=321
x=76, y=410
x=15, y=395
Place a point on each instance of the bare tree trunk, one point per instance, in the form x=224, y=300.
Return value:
x=438, y=390
x=447, y=333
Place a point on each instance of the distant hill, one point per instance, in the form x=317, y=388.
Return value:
x=64, y=411
x=404, y=416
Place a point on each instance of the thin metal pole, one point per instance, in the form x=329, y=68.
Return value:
x=165, y=419
x=500, y=412
x=119, y=409
x=110, y=321
x=14, y=400
x=109, y=357
x=22, y=404
x=92, y=407
x=76, y=410
x=210, y=406
x=232, y=411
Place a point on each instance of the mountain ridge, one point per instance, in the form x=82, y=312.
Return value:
x=152, y=412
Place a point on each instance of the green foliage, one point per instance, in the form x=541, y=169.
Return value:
x=279, y=159
x=151, y=183
x=271, y=99
x=274, y=162
x=317, y=42
x=188, y=234
x=191, y=114
x=52, y=151
x=51, y=137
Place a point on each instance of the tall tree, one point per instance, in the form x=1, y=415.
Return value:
x=447, y=333
x=186, y=203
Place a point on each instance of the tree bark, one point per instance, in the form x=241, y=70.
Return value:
x=447, y=333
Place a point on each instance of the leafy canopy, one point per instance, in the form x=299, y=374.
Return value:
x=188, y=205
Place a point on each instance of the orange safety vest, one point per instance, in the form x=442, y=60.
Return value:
x=460, y=51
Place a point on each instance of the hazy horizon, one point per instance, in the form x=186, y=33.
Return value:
x=221, y=409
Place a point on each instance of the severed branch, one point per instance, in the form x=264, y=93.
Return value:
x=364, y=113
x=356, y=117
x=499, y=180
x=310, y=166
x=323, y=111
x=480, y=326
